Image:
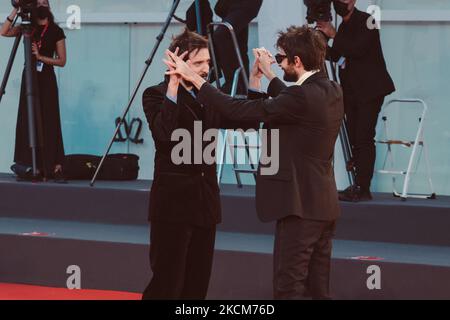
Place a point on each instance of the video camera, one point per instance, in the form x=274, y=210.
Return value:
x=26, y=5
x=318, y=10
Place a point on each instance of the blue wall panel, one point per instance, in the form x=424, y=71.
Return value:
x=105, y=61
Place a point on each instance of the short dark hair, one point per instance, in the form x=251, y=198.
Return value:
x=306, y=43
x=188, y=41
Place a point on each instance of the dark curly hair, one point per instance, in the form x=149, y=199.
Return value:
x=306, y=43
x=188, y=41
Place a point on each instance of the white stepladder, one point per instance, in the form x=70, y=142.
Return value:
x=229, y=139
x=414, y=157
x=228, y=136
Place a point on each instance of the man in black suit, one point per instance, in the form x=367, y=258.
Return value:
x=302, y=195
x=239, y=13
x=184, y=199
x=366, y=82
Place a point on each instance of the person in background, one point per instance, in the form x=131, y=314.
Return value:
x=239, y=13
x=49, y=51
x=366, y=82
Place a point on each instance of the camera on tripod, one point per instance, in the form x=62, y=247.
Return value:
x=25, y=5
x=26, y=9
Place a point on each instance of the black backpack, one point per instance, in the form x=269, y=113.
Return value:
x=116, y=167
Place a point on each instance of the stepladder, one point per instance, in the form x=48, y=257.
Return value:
x=416, y=146
x=241, y=147
x=238, y=143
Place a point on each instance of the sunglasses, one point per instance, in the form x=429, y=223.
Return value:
x=280, y=57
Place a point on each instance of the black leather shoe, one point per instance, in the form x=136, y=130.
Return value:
x=59, y=177
x=25, y=174
x=365, y=195
x=355, y=194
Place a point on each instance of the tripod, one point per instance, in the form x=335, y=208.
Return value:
x=343, y=132
x=33, y=105
x=345, y=140
x=149, y=61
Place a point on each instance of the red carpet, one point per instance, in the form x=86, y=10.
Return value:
x=26, y=292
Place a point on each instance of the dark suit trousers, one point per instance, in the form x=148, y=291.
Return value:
x=302, y=258
x=226, y=54
x=361, y=124
x=181, y=259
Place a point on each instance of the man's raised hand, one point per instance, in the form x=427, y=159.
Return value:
x=174, y=78
x=256, y=73
x=182, y=69
x=178, y=66
x=266, y=60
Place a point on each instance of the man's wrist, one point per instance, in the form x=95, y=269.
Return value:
x=270, y=75
x=172, y=89
x=198, y=82
x=255, y=83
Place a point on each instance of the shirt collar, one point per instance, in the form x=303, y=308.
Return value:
x=192, y=92
x=305, y=77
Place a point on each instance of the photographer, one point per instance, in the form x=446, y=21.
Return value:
x=49, y=50
x=239, y=13
x=366, y=82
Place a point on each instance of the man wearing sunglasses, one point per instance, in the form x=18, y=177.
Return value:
x=302, y=196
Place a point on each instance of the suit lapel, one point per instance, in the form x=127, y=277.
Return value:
x=188, y=102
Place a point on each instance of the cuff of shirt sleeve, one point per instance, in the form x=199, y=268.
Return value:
x=255, y=90
x=174, y=99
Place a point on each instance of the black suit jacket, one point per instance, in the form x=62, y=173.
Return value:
x=365, y=75
x=308, y=118
x=186, y=193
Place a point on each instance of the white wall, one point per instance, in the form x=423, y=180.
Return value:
x=106, y=57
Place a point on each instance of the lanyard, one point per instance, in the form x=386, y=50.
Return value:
x=39, y=43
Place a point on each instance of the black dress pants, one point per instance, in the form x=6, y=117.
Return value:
x=302, y=258
x=181, y=259
x=362, y=120
x=240, y=19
